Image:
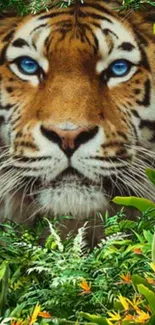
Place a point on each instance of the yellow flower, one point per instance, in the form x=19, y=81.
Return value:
x=154, y=28
x=109, y=322
x=135, y=303
x=85, y=286
x=34, y=315
x=114, y=316
x=142, y=316
x=129, y=317
x=126, y=278
x=150, y=280
x=152, y=265
x=124, y=302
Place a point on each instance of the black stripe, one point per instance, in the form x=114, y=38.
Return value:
x=140, y=38
x=55, y=14
x=27, y=145
x=123, y=135
x=99, y=8
x=28, y=169
x=32, y=159
x=107, y=31
x=95, y=24
x=96, y=42
x=147, y=124
x=9, y=89
x=90, y=14
x=3, y=55
x=134, y=130
x=38, y=27
x=147, y=93
x=115, y=167
x=8, y=36
x=20, y=42
x=144, y=60
x=112, y=144
x=135, y=113
x=14, y=122
x=2, y=119
x=126, y=46
x=6, y=107
x=112, y=158
x=137, y=91
x=96, y=46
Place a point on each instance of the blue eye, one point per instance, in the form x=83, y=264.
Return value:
x=28, y=65
x=120, y=68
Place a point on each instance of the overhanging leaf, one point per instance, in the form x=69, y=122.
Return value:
x=149, y=295
x=149, y=171
x=140, y=204
x=137, y=280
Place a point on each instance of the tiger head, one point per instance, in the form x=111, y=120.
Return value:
x=77, y=107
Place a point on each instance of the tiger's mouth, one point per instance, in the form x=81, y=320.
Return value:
x=70, y=176
x=72, y=179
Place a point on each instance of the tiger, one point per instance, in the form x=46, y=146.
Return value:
x=77, y=110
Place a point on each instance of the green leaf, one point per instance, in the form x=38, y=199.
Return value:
x=140, y=204
x=148, y=236
x=149, y=295
x=94, y=318
x=151, y=174
x=5, y=272
x=16, y=312
x=3, y=268
x=137, y=280
x=153, y=249
x=151, y=321
x=127, y=322
x=118, y=306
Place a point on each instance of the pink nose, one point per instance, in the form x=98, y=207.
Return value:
x=69, y=140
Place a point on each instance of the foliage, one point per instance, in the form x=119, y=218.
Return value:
x=136, y=5
x=63, y=282
x=33, y=6
x=67, y=281
x=140, y=204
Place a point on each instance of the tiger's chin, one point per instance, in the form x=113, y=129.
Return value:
x=72, y=194
x=69, y=199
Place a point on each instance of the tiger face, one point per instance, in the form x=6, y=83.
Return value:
x=77, y=107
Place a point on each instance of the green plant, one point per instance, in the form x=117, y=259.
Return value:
x=69, y=282
x=65, y=278
x=24, y=7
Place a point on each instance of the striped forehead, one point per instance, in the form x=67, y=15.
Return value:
x=31, y=35
x=30, y=27
x=115, y=35
x=112, y=36
x=116, y=40
x=29, y=40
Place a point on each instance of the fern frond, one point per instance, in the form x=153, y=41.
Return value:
x=55, y=236
x=79, y=242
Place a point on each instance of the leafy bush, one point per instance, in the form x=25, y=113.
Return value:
x=64, y=282
x=66, y=279
x=33, y=6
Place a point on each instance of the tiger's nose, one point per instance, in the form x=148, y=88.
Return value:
x=69, y=140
